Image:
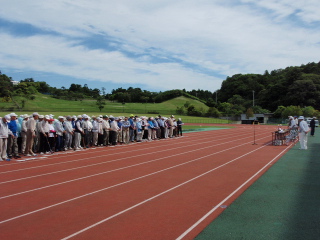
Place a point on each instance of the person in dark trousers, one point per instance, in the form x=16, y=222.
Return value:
x=312, y=126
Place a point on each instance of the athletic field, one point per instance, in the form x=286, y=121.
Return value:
x=165, y=189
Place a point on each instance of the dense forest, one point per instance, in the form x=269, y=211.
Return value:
x=295, y=87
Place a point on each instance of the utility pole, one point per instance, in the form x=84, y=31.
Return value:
x=253, y=97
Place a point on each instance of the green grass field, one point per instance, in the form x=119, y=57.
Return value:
x=45, y=104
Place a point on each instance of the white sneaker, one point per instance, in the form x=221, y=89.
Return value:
x=28, y=155
x=41, y=153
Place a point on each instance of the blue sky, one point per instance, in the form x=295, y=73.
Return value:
x=155, y=45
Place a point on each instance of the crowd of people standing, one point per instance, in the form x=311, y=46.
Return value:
x=30, y=135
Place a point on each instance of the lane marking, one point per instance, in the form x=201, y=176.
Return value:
x=118, y=169
x=228, y=197
x=127, y=146
x=158, y=195
x=135, y=179
x=106, y=162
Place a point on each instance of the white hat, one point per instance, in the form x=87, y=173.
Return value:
x=301, y=117
x=7, y=117
x=35, y=114
x=40, y=116
x=25, y=116
x=13, y=115
x=61, y=117
x=47, y=117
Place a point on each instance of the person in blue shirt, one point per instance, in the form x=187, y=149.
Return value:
x=150, y=129
x=125, y=130
x=12, y=149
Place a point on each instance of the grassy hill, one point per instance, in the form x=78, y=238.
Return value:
x=46, y=103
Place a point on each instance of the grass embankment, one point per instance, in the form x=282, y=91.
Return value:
x=45, y=104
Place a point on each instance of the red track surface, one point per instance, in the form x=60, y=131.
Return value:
x=165, y=189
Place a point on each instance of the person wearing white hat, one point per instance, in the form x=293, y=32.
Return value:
x=106, y=129
x=12, y=148
x=85, y=126
x=31, y=134
x=170, y=126
x=44, y=134
x=5, y=133
x=24, y=132
x=293, y=130
x=68, y=134
x=303, y=133
x=58, y=127
x=78, y=132
x=113, y=130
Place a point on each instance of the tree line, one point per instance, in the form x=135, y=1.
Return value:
x=295, y=87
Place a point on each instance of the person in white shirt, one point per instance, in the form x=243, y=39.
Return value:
x=106, y=129
x=5, y=133
x=303, y=133
x=24, y=133
x=31, y=125
x=68, y=134
x=58, y=126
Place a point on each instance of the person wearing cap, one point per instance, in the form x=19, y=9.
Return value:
x=312, y=126
x=113, y=131
x=170, y=126
x=36, y=145
x=44, y=133
x=24, y=132
x=179, y=127
x=132, y=128
x=5, y=133
x=119, y=121
x=139, y=129
x=67, y=125
x=106, y=129
x=86, y=130
x=12, y=148
x=78, y=132
x=293, y=130
x=95, y=131
x=58, y=127
x=100, y=132
x=31, y=134
x=51, y=135
x=125, y=130
x=303, y=133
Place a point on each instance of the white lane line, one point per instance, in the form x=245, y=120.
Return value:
x=129, y=181
x=52, y=158
x=158, y=195
x=108, y=153
x=100, y=163
x=228, y=197
x=118, y=169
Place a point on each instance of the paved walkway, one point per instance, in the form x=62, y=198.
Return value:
x=283, y=204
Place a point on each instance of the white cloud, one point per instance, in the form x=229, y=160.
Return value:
x=209, y=38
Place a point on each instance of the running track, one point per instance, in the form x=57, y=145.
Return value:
x=167, y=189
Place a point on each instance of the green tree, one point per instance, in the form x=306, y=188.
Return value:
x=100, y=103
x=249, y=113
